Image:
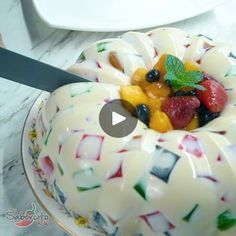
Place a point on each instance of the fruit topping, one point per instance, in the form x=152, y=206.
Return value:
x=206, y=115
x=160, y=122
x=185, y=93
x=214, y=97
x=133, y=94
x=157, y=89
x=139, y=76
x=153, y=75
x=181, y=110
x=174, y=95
x=155, y=104
x=191, y=65
x=160, y=66
x=194, y=123
x=143, y=113
x=178, y=77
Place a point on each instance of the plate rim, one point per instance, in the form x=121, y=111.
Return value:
x=100, y=28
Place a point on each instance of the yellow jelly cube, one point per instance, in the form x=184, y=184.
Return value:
x=160, y=122
x=133, y=94
x=191, y=65
x=193, y=124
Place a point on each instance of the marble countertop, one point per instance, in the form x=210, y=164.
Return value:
x=24, y=32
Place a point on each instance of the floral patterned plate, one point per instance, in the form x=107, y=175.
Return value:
x=50, y=198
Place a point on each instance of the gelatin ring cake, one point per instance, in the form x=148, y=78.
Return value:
x=178, y=183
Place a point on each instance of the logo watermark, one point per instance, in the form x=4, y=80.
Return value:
x=24, y=219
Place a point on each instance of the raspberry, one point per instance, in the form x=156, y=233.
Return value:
x=181, y=110
x=214, y=97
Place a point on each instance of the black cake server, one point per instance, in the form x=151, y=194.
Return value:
x=25, y=70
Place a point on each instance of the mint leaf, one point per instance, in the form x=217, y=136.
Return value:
x=174, y=81
x=193, y=76
x=178, y=77
x=196, y=86
x=173, y=64
x=226, y=220
x=182, y=81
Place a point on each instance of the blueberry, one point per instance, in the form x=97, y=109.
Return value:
x=206, y=115
x=143, y=113
x=153, y=75
x=185, y=93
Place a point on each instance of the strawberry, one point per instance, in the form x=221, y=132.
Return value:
x=181, y=110
x=214, y=97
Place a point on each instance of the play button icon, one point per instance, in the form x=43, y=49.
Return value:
x=117, y=118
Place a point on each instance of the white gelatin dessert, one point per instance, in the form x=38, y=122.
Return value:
x=178, y=183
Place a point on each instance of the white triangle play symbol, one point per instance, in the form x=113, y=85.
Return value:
x=117, y=118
